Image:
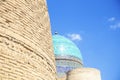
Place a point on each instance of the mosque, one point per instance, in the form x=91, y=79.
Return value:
x=67, y=55
x=69, y=61
x=28, y=51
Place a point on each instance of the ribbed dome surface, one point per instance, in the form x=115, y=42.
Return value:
x=65, y=47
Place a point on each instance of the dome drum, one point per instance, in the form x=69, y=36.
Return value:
x=67, y=57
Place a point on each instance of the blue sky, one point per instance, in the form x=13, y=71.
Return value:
x=94, y=25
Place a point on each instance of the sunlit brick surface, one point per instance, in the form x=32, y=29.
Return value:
x=84, y=74
x=25, y=41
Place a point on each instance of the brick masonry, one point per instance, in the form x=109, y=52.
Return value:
x=26, y=51
x=84, y=74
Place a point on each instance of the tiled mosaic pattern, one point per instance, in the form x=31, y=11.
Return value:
x=68, y=55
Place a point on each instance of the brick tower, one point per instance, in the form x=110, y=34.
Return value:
x=25, y=41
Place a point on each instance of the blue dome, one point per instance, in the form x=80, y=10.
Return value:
x=65, y=47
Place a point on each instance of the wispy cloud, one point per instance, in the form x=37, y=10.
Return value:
x=115, y=26
x=75, y=36
x=114, y=23
x=111, y=19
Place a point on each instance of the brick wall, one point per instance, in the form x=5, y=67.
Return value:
x=25, y=41
x=84, y=74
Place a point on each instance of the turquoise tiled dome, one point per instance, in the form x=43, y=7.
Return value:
x=65, y=47
x=67, y=55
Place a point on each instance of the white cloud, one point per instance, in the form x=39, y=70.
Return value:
x=114, y=23
x=111, y=19
x=74, y=36
x=115, y=26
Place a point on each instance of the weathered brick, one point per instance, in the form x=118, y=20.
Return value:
x=25, y=41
